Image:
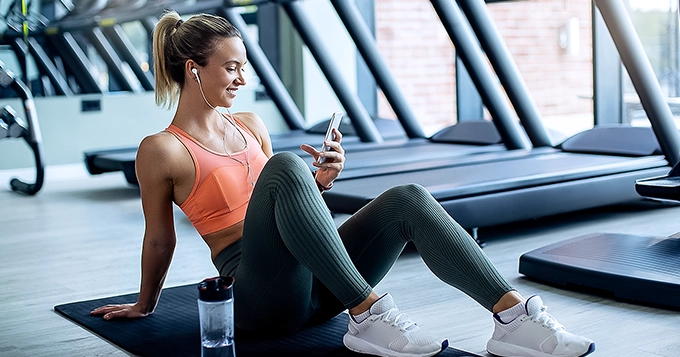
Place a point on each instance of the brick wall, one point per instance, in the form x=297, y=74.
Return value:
x=420, y=54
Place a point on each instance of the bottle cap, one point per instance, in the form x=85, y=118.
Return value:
x=216, y=289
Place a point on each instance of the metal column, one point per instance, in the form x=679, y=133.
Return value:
x=43, y=62
x=469, y=105
x=608, y=104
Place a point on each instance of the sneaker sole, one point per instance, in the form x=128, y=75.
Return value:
x=503, y=349
x=358, y=345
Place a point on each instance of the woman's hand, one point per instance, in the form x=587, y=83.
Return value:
x=334, y=159
x=123, y=311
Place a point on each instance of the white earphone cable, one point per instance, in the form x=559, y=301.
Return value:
x=224, y=138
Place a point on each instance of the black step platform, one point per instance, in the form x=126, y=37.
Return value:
x=643, y=269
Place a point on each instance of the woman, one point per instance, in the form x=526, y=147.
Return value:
x=266, y=224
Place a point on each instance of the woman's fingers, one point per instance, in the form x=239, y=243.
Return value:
x=338, y=135
x=111, y=312
x=103, y=309
x=310, y=150
x=117, y=314
x=331, y=158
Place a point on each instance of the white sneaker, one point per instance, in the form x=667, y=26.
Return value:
x=536, y=334
x=390, y=333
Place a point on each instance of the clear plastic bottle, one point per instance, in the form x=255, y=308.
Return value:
x=216, y=315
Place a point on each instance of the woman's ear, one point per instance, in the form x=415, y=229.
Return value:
x=191, y=71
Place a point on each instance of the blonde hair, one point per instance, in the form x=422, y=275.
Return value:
x=175, y=41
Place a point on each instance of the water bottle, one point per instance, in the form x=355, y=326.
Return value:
x=216, y=315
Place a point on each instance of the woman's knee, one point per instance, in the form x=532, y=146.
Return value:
x=413, y=202
x=287, y=160
x=286, y=163
x=408, y=194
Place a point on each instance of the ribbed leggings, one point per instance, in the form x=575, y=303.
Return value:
x=293, y=267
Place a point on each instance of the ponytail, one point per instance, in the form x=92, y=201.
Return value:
x=176, y=41
x=167, y=90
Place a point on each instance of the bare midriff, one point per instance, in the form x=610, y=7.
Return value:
x=219, y=240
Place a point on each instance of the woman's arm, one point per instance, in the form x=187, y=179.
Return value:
x=154, y=164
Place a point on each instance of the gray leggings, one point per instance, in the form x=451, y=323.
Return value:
x=293, y=267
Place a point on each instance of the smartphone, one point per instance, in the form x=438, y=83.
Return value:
x=334, y=123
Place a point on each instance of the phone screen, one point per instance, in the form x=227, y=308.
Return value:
x=334, y=123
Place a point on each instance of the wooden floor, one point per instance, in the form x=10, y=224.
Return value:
x=80, y=238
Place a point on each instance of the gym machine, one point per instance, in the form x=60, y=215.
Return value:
x=641, y=269
x=12, y=126
x=631, y=267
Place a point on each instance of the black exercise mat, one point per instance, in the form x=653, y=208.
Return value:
x=173, y=330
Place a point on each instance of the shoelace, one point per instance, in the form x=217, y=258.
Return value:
x=397, y=318
x=544, y=318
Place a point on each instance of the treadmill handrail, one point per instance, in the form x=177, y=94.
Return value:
x=642, y=75
x=266, y=72
x=361, y=120
x=501, y=60
x=365, y=43
x=474, y=60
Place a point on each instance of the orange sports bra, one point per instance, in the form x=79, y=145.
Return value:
x=222, y=189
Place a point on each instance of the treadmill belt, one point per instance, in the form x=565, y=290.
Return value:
x=510, y=190
x=394, y=156
x=476, y=178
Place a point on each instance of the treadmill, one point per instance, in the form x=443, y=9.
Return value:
x=594, y=168
x=467, y=141
x=362, y=128
x=642, y=269
x=463, y=139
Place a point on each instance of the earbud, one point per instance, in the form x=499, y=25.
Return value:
x=195, y=71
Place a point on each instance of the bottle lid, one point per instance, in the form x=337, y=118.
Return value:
x=216, y=289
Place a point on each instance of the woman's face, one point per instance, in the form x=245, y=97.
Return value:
x=223, y=74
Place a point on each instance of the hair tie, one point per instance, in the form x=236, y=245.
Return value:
x=179, y=22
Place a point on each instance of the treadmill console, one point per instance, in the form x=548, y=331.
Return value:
x=664, y=187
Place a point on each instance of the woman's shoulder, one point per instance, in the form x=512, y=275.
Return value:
x=163, y=141
x=250, y=120
x=160, y=149
x=256, y=126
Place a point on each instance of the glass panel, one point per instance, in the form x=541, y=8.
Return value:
x=550, y=41
x=656, y=22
